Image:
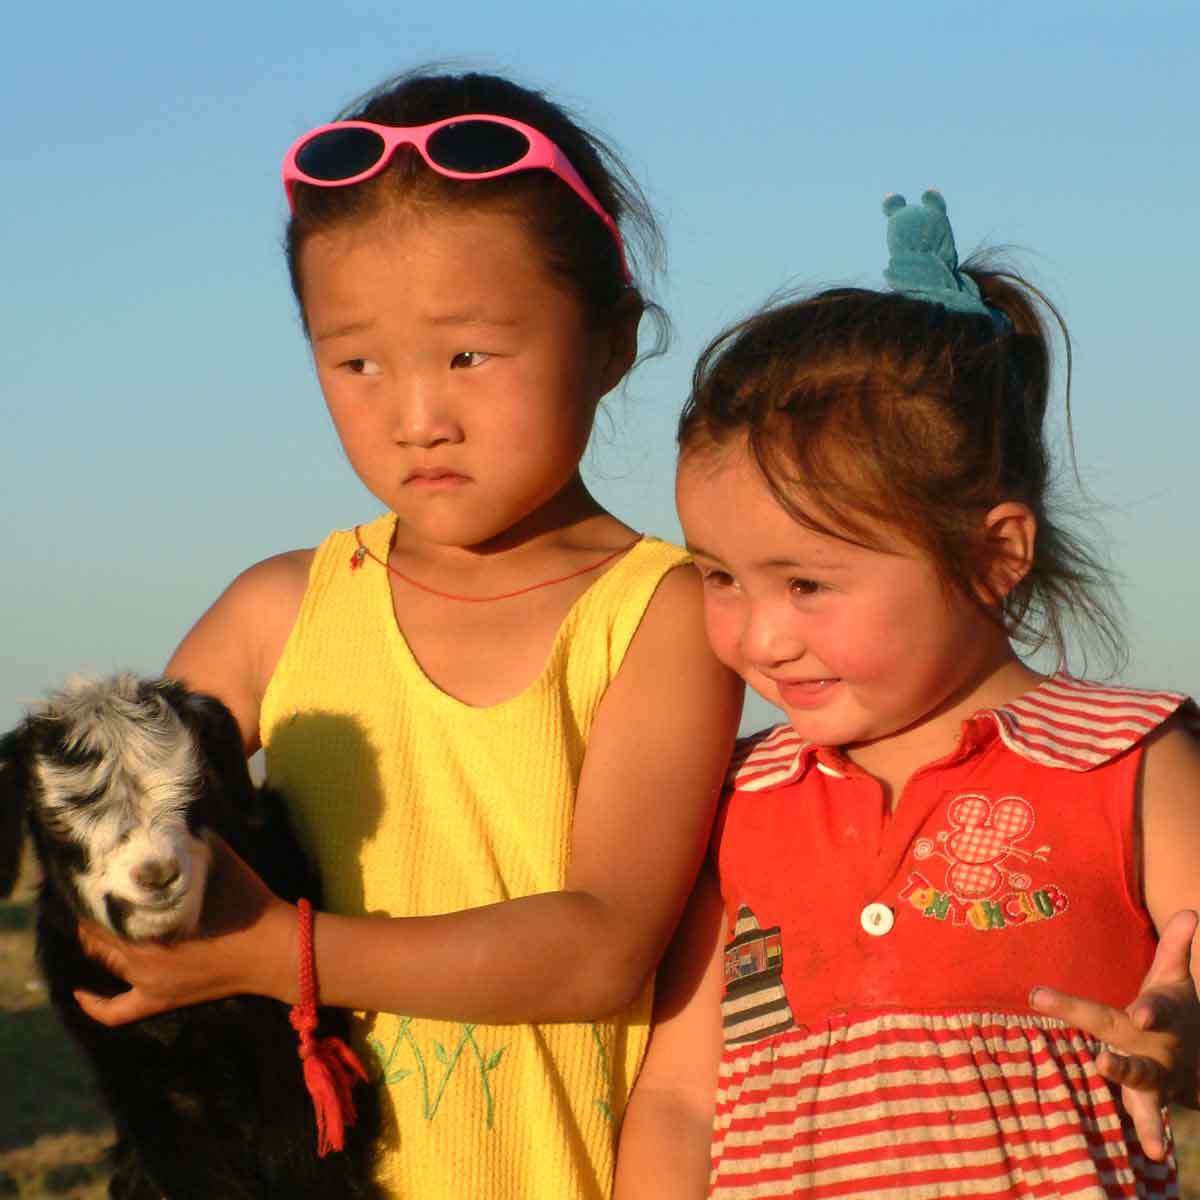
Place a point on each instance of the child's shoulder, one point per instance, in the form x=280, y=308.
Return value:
x=1168, y=816
x=671, y=565
x=233, y=647
x=660, y=566
x=652, y=594
x=1173, y=752
x=1078, y=724
x=658, y=614
x=279, y=580
x=265, y=592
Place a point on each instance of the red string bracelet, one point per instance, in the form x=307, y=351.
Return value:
x=329, y=1064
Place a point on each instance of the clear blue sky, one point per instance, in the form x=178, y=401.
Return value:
x=162, y=427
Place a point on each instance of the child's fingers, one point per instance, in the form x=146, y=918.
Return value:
x=1100, y=1020
x=1161, y=1011
x=102, y=947
x=1136, y=1055
x=1143, y=1083
x=117, y=1010
x=110, y=952
x=1134, y=1071
x=1146, y=1054
x=1147, y=1116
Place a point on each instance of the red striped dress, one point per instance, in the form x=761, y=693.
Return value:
x=878, y=1038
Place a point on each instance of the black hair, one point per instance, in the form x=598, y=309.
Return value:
x=577, y=245
x=868, y=410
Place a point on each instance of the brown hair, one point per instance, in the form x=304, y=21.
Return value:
x=866, y=409
x=577, y=245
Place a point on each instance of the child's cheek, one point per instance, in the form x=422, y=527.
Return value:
x=724, y=627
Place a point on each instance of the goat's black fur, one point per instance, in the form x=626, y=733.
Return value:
x=209, y=1101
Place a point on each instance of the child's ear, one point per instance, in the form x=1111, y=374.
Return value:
x=1008, y=538
x=623, y=339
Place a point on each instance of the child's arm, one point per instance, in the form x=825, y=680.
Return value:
x=1158, y=1038
x=1170, y=850
x=1169, y=826
x=654, y=764
x=663, y=1152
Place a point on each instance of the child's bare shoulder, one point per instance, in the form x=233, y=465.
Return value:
x=670, y=681
x=1173, y=752
x=261, y=598
x=232, y=649
x=1170, y=818
x=672, y=626
x=280, y=578
x=678, y=595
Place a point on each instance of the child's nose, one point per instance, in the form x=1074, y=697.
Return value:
x=423, y=416
x=769, y=637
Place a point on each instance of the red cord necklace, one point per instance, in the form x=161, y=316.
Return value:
x=356, y=561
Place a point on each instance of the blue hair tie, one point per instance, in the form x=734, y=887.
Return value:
x=924, y=261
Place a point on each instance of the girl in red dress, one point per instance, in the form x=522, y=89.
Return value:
x=863, y=485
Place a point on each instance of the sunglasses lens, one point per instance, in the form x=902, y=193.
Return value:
x=476, y=147
x=340, y=154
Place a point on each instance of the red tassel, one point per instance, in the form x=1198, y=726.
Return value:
x=329, y=1064
x=329, y=1069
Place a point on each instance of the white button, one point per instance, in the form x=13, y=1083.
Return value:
x=877, y=919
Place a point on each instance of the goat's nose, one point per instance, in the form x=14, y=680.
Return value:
x=156, y=874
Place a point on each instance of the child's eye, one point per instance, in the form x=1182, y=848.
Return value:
x=803, y=587
x=361, y=366
x=468, y=358
x=716, y=579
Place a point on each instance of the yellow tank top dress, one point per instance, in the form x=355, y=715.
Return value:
x=414, y=803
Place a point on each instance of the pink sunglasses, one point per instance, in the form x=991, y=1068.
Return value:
x=476, y=146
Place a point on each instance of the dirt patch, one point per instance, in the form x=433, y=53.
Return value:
x=54, y=1131
x=1185, y=1126
x=20, y=985
x=69, y=1166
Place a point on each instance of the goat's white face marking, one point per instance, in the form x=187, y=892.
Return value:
x=121, y=790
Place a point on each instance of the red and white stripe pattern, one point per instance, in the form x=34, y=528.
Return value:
x=908, y=1106
x=765, y=760
x=1063, y=722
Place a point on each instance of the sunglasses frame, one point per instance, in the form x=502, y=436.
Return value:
x=542, y=154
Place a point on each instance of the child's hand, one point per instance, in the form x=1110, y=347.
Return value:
x=246, y=943
x=1154, y=1045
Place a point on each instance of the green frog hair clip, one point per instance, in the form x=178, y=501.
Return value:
x=924, y=261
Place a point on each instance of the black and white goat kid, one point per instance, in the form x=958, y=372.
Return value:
x=120, y=781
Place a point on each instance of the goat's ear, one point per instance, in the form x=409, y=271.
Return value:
x=14, y=796
x=216, y=732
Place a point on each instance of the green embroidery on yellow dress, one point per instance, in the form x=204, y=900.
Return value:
x=393, y=1072
x=602, y=1102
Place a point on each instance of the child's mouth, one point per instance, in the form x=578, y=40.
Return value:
x=426, y=478
x=805, y=693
